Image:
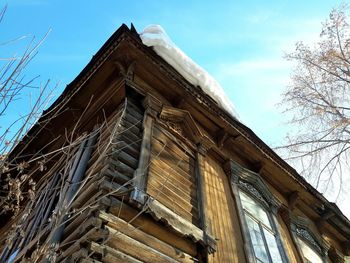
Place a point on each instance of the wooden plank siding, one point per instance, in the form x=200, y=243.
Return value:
x=130, y=236
x=134, y=242
x=171, y=178
x=222, y=214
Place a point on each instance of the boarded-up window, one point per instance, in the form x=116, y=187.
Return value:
x=171, y=178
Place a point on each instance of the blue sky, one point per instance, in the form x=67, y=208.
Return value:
x=240, y=43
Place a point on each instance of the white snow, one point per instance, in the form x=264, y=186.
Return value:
x=156, y=37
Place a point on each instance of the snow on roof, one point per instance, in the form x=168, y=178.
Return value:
x=156, y=37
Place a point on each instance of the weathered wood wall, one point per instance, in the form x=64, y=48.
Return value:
x=111, y=170
x=140, y=240
x=117, y=232
x=108, y=223
x=223, y=217
x=171, y=178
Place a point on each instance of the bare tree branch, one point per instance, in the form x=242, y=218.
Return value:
x=319, y=100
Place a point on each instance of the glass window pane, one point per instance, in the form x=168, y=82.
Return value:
x=309, y=253
x=257, y=240
x=273, y=248
x=254, y=208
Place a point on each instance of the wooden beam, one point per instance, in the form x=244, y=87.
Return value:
x=284, y=212
x=179, y=103
x=110, y=255
x=322, y=221
x=152, y=108
x=92, y=235
x=221, y=137
x=176, y=222
x=202, y=200
x=89, y=260
x=293, y=198
x=72, y=186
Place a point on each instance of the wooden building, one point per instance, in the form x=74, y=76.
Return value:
x=132, y=163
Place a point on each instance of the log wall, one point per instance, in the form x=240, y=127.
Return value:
x=115, y=231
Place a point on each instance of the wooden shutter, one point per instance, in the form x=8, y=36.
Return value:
x=171, y=178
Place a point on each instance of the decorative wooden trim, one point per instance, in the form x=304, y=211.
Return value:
x=180, y=225
x=309, y=237
x=300, y=229
x=181, y=122
x=152, y=108
x=280, y=242
x=284, y=212
x=322, y=220
x=252, y=183
x=202, y=200
x=126, y=68
x=249, y=252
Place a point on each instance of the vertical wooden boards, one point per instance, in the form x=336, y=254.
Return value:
x=291, y=251
x=171, y=178
x=222, y=214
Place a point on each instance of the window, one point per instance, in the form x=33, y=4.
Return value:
x=310, y=246
x=257, y=208
x=310, y=255
x=262, y=235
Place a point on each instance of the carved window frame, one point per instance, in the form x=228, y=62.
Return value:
x=251, y=184
x=160, y=115
x=301, y=231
